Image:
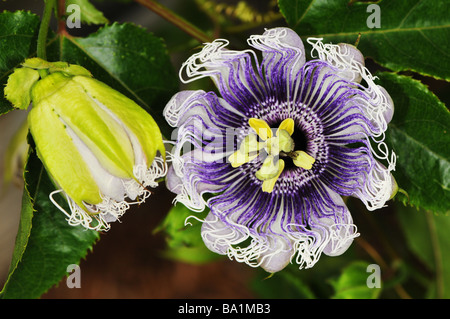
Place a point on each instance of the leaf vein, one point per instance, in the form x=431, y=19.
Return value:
x=407, y=15
x=378, y=31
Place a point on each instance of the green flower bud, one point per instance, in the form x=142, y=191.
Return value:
x=101, y=149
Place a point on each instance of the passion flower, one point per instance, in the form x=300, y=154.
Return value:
x=273, y=156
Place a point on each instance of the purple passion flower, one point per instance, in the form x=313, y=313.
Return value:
x=272, y=156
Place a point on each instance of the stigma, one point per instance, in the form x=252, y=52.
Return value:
x=273, y=148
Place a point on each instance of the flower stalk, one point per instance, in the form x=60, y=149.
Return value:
x=43, y=30
x=176, y=20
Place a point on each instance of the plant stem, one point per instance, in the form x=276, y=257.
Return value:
x=380, y=261
x=437, y=255
x=176, y=20
x=60, y=16
x=250, y=25
x=43, y=29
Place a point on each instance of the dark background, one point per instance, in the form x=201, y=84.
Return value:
x=127, y=262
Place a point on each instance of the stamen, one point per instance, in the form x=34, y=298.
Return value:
x=239, y=158
x=269, y=184
x=282, y=143
x=287, y=125
x=261, y=128
x=303, y=159
x=248, y=151
x=268, y=169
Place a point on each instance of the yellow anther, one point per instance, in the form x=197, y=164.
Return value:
x=261, y=128
x=269, y=184
x=247, y=151
x=250, y=144
x=303, y=159
x=238, y=158
x=268, y=169
x=287, y=125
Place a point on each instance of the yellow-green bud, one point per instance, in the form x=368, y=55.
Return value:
x=100, y=148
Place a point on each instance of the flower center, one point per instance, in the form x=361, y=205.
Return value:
x=274, y=147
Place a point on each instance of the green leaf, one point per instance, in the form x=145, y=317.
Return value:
x=21, y=238
x=286, y=284
x=352, y=283
x=427, y=237
x=420, y=135
x=89, y=14
x=46, y=244
x=413, y=34
x=18, y=36
x=130, y=60
x=183, y=236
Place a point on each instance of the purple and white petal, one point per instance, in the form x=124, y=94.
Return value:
x=283, y=57
x=350, y=65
